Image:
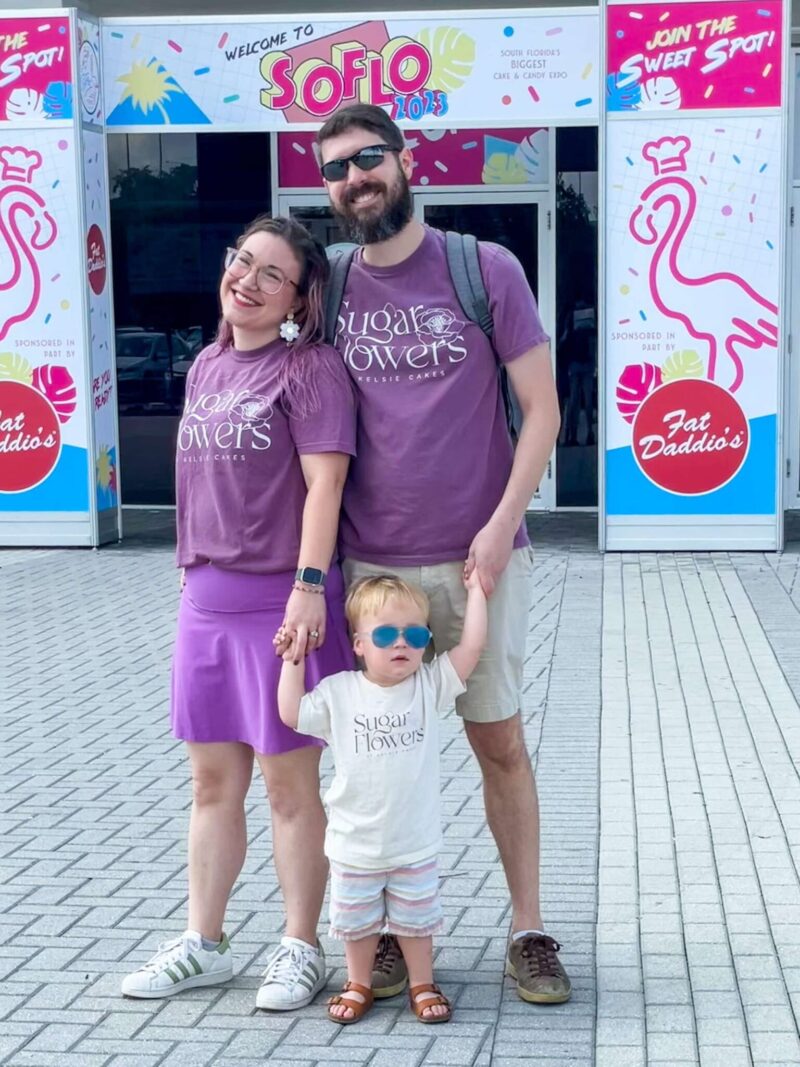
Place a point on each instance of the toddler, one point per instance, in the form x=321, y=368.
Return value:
x=384, y=825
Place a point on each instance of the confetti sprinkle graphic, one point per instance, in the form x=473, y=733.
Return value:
x=298, y=148
x=770, y=245
x=506, y=100
x=624, y=322
x=703, y=180
x=766, y=71
x=174, y=46
x=230, y=99
x=534, y=94
x=202, y=70
x=552, y=32
x=663, y=16
x=135, y=41
x=708, y=91
x=583, y=102
x=636, y=15
x=762, y=168
x=47, y=318
x=470, y=144
x=736, y=159
x=727, y=210
x=222, y=41
x=629, y=161
x=587, y=70
x=120, y=36
x=509, y=31
x=642, y=316
x=44, y=28
x=441, y=166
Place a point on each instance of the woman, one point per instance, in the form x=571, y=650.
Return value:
x=263, y=448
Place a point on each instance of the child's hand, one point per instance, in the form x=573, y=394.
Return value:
x=282, y=641
x=472, y=580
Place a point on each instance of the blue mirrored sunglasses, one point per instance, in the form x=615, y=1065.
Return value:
x=385, y=636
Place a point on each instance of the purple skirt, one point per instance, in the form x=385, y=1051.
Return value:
x=225, y=671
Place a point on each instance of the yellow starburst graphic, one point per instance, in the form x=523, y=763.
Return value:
x=148, y=87
x=104, y=467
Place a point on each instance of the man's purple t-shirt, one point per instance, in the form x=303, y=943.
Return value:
x=434, y=453
x=240, y=486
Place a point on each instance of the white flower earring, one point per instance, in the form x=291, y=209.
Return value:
x=290, y=331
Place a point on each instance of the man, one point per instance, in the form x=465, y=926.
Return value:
x=437, y=489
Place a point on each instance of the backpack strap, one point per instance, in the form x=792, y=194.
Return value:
x=465, y=273
x=340, y=257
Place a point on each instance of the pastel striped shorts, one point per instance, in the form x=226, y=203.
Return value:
x=403, y=900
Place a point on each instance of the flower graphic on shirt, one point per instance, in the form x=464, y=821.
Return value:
x=250, y=410
x=440, y=324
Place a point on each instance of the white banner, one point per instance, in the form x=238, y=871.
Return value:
x=524, y=69
x=43, y=402
x=693, y=274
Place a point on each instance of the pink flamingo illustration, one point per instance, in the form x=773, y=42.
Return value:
x=730, y=313
x=26, y=227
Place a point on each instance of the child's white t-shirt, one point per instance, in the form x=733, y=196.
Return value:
x=383, y=803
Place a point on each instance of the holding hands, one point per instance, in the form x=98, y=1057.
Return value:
x=303, y=627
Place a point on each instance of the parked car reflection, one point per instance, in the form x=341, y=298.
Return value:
x=152, y=367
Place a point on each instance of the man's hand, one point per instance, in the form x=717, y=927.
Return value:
x=489, y=554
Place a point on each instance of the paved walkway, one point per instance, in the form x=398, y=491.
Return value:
x=670, y=848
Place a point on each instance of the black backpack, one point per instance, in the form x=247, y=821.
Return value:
x=465, y=274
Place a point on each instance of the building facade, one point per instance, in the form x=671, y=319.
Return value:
x=641, y=160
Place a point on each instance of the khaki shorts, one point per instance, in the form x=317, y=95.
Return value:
x=494, y=690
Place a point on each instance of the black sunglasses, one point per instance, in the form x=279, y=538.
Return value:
x=365, y=159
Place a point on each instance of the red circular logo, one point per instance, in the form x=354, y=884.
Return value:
x=96, y=259
x=30, y=437
x=690, y=436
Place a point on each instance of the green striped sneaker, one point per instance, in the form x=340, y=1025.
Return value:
x=178, y=965
x=295, y=973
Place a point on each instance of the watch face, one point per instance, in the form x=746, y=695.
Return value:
x=310, y=575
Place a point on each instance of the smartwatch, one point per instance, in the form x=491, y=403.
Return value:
x=310, y=576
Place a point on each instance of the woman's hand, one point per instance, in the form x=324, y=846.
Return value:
x=303, y=627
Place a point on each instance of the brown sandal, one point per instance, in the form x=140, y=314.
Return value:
x=419, y=1007
x=359, y=1008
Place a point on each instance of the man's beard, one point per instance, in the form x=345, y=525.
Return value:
x=366, y=229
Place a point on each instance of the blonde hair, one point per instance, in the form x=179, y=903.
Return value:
x=370, y=595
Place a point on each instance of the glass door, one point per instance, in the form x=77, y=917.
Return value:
x=521, y=222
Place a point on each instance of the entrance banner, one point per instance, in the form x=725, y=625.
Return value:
x=693, y=273
x=695, y=56
x=524, y=69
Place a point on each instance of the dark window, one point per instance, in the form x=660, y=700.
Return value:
x=576, y=316
x=177, y=200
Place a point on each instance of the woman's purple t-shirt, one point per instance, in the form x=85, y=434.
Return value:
x=240, y=486
x=434, y=453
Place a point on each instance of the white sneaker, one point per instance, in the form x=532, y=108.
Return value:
x=178, y=965
x=295, y=974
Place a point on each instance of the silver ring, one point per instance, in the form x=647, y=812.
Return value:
x=313, y=633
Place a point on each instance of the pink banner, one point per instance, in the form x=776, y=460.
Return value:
x=441, y=157
x=35, y=69
x=695, y=56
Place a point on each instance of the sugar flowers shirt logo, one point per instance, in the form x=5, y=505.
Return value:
x=412, y=339
x=224, y=422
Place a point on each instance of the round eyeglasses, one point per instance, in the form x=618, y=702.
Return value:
x=269, y=280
